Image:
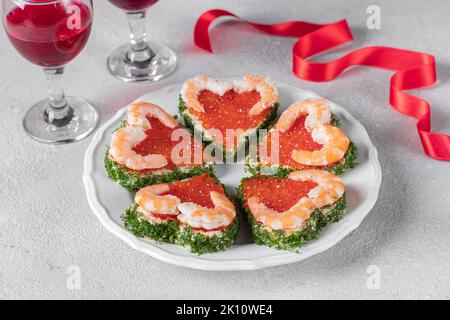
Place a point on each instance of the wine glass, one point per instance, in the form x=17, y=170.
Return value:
x=140, y=60
x=50, y=34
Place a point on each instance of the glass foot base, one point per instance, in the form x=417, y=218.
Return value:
x=82, y=123
x=163, y=64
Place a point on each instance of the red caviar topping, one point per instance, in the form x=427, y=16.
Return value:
x=296, y=138
x=164, y=216
x=204, y=230
x=196, y=189
x=278, y=194
x=159, y=141
x=230, y=111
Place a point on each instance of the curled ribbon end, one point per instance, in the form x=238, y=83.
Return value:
x=413, y=70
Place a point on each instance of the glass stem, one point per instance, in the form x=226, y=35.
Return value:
x=58, y=112
x=139, y=52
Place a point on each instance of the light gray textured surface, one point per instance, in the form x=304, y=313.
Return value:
x=46, y=224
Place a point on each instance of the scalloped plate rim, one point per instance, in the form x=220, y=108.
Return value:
x=200, y=262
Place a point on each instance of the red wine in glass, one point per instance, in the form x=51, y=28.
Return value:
x=51, y=33
x=45, y=35
x=133, y=5
x=140, y=60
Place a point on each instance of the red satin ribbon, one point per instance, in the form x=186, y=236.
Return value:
x=413, y=70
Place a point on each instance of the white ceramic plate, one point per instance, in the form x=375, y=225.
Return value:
x=108, y=200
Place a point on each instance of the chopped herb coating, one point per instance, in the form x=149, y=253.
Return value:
x=134, y=181
x=190, y=124
x=172, y=231
x=281, y=240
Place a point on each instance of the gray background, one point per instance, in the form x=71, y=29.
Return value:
x=46, y=224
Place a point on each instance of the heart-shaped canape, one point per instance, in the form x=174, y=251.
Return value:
x=285, y=213
x=226, y=113
x=194, y=213
x=306, y=136
x=151, y=147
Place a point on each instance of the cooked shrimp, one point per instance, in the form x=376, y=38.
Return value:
x=288, y=220
x=150, y=199
x=197, y=216
x=318, y=116
x=189, y=94
x=268, y=92
x=335, y=145
x=316, y=110
x=192, y=88
x=138, y=113
x=154, y=200
x=330, y=189
x=121, y=150
x=124, y=139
